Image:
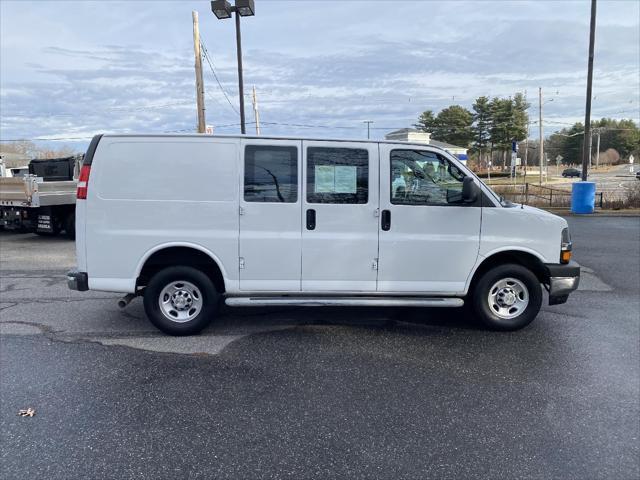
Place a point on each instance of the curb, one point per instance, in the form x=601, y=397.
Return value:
x=597, y=213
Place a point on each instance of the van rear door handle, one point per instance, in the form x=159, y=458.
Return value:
x=386, y=220
x=311, y=219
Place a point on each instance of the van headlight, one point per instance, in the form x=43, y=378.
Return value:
x=565, y=246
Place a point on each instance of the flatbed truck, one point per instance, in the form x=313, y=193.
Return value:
x=43, y=201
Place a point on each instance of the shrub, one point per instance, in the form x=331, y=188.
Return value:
x=632, y=196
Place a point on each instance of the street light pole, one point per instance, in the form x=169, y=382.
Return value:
x=222, y=9
x=243, y=128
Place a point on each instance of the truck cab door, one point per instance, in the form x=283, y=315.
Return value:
x=429, y=238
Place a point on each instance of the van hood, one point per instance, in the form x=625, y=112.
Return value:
x=548, y=216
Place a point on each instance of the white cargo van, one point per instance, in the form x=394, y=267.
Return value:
x=286, y=221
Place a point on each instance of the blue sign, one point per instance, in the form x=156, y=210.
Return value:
x=514, y=146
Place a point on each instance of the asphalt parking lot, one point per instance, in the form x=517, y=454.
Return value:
x=321, y=393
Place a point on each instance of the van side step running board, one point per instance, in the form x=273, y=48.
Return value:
x=345, y=301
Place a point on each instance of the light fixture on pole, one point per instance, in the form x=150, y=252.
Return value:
x=222, y=9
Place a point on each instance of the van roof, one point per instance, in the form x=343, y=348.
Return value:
x=269, y=137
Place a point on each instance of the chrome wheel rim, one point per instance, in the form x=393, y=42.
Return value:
x=508, y=298
x=180, y=301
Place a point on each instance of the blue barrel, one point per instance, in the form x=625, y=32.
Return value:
x=583, y=197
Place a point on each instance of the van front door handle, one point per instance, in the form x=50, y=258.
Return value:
x=311, y=219
x=386, y=220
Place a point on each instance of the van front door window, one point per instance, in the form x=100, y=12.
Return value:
x=424, y=178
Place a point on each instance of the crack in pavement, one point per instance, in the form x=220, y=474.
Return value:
x=23, y=301
x=12, y=288
x=206, y=344
x=9, y=305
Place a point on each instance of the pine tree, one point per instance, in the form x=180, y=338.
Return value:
x=482, y=122
x=426, y=121
x=454, y=125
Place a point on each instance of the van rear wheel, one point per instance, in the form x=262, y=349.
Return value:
x=180, y=300
x=507, y=297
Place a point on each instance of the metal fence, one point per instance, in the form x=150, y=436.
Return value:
x=539, y=196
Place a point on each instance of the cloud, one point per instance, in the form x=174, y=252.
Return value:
x=127, y=67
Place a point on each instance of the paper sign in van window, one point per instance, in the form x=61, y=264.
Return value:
x=335, y=179
x=346, y=179
x=325, y=179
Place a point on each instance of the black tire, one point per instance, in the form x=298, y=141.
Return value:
x=488, y=315
x=70, y=226
x=177, y=275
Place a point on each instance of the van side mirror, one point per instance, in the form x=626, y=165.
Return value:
x=470, y=191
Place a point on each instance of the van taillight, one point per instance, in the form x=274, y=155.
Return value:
x=83, y=182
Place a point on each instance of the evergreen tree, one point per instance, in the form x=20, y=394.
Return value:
x=482, y=123
x=501, y=119
x=454, y=125
x=520, y=119
x=426, y=121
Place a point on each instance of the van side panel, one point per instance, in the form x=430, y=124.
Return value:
x=146, y=192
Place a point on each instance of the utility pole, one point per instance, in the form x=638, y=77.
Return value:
x=526, y=141
x=199, y=83
x=587, y=114
x=590, y=147
x=526, y=152
x=368, y=122
x=598, y=150
x=256, y=114
x=541, y=147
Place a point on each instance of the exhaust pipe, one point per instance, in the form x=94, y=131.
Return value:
x=124, y=301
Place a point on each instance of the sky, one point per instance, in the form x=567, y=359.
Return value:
x=69, y=70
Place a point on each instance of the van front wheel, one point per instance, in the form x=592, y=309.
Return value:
x=507, y=297
x=180, y=300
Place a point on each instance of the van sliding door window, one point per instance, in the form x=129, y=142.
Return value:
x=419, y=177
x=337, y=175
x=270, y=174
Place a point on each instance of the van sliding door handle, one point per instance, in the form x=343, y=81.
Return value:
x=386, y=220
x=311, y=219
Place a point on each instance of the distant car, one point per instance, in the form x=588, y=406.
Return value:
x=638, y=175
x=571, y=172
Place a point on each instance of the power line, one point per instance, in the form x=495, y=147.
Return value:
x=215, y=75
x=125, y=108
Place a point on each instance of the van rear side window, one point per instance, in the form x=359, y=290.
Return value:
x=270, y=174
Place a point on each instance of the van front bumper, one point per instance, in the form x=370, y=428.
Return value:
x=78, y=280
x=562, y=280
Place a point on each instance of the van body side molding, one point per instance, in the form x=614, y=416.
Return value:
x=344, y=301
